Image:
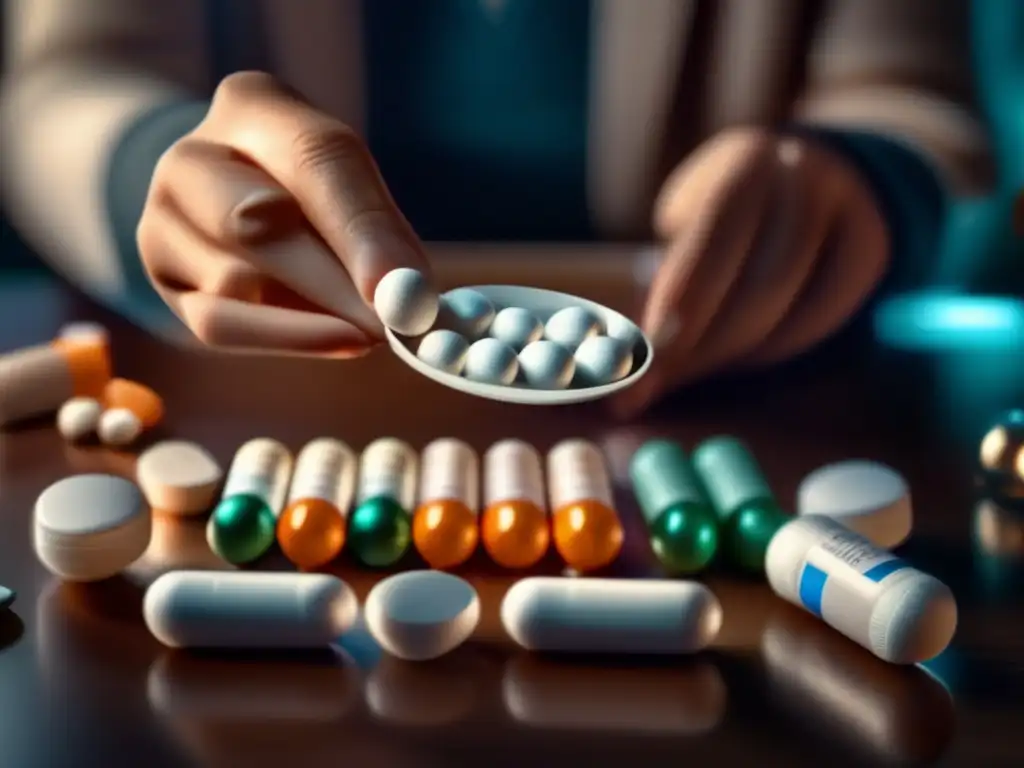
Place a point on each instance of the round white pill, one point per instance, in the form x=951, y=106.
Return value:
x=178, y=477
x=602, y=360
x=405, y=302
x=90, y=527
x=467, y=312
x=444, y=350
x=546, y=365
x=78, y=418
x=626, y=331
x=118, y=427
x=570, y=326
x=421, y=615
x=490, y=361
x=865, y=496
x=517, y=327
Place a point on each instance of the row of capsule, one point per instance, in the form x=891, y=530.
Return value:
x=378, y=505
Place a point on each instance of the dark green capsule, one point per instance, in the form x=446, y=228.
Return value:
x=241, y=529
x=379, y=532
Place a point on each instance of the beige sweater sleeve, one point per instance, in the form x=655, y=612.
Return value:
x=76, y=75
x=901, y=68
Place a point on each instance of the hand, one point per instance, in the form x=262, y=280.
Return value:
x=773, y=242
x=269, y=226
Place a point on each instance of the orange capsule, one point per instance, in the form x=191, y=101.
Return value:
x=515, y=529
x=445, y=527
x=137, y=398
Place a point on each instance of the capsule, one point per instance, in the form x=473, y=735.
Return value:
x=900, y=614
x=515, y=528
x=242, y=526
x=627, y=616
x=445, y=526
x=311, y=530
x=217, y=609
x=380, y=527
x=586, y=528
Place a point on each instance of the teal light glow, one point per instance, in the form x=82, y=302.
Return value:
x=951, y=322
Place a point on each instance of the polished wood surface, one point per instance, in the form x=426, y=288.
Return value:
x=82, y=683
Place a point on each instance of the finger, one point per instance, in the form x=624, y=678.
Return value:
x=229, y=323
x=237, y=205
x=328, y=170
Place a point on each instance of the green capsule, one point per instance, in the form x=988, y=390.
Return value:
x=241, y=528
x=379, y=532
x=680, y=520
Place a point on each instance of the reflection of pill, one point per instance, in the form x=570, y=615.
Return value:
x=545, y=694
x=437, y=692
x=211, y=609
x=78, y=418
x=178, y=477
x=611, y=615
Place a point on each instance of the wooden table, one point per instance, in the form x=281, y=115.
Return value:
x=82, y=682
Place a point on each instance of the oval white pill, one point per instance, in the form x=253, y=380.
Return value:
x=179, y=477
x=405, y=302
x=602, y=360
x=570, y=326
x=611, y=615
x=865, y=496
x=217, y=609
x=78, y=418
x=444, y=350
x=467, y=312
x=118, y=427
x=546, y=365
x=517, y=327
x=490, y=361
x=421, y=615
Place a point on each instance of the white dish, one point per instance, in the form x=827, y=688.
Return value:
x=543, y=304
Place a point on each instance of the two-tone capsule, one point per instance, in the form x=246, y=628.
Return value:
x=515, y=528
x=445, y=526
x=380, y=526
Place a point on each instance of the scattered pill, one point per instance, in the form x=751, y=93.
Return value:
x=242, y=526
x=744, y=502
x=445, y=526
x=1002, y=455
x=467, y=312
x=899, y=613
x=623, y=330
x=515, y=528
x=7, y=597
x=602, y=360
x=79, y=418
x=420, y=615
x=311, y=529
x=90, y=527
x=118, y=427
x=585, y=526
x=680, y=520
x=490, y=361
x=178, y=477
x=546, y=365
x=218, y=609
x=865, y=496
x=444, y=350
x=39, y=380
x=380, y=528
x=571, y=326
x=628, y=616
x=137, y=398
x=517, y=327
x=405, y=302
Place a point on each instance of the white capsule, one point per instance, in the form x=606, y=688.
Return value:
x=450, y=471
x=467, y=312
x=577, y=472
x=490, y=361
x=261, y=467
x=513, y=471
x=553, y=614
x=602, y=360
x=570, y=326
x=626, y=331
x=79, y=418
x=405, y=302
x=546, y=365
x=899, y=613
x=325, y=469
x=388, y=468
x=218, y=609
x=84, y=331
x=118, y=427
x=444, y=350
x=517, y=327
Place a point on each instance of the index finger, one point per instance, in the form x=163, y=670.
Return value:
x=328, y=169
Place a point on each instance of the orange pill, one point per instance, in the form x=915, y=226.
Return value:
x=137, y=398
x=445, y=525
x=514, y=528
x=311, y=533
